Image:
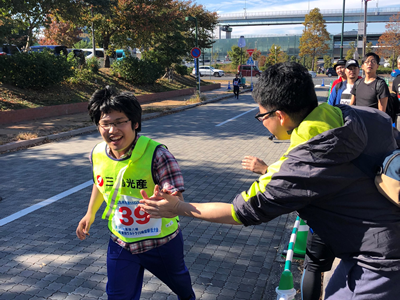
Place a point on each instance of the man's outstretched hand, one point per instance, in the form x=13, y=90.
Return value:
x=160, y=204
x=254, y=164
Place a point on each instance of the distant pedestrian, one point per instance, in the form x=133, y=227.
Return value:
x=236, y=85
x=123, y=165
x=371, y=91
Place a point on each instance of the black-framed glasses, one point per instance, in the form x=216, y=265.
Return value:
x=260, y=117
x=119, y=124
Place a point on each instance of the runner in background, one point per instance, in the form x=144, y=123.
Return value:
x=236, y=85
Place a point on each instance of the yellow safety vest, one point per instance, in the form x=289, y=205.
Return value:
x=120, y=183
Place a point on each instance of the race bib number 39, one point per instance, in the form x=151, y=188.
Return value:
x=130, y=222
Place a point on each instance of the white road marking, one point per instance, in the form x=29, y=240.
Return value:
x=44, y=203
x=236, y=117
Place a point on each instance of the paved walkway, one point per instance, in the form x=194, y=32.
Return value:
x=44, y=130
x=40, y=257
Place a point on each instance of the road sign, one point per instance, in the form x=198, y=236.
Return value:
x=195, y=52
x=250, y=52
x=250, y=61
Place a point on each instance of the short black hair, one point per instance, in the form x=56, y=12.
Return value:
x=288, y=87
x=376, y=56
x=108, y=99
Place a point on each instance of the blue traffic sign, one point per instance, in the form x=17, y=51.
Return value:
x=250, y=61
x=195, y=52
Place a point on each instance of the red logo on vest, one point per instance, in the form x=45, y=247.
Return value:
x=100, y=180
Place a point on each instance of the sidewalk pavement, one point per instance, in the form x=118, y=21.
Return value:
x=32, y=133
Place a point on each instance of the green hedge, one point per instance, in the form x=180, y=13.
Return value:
x=35, y=70
x=382, y=70
x=138, y=71
x=181, y=70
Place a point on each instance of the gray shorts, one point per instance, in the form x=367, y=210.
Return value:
x=351, y=281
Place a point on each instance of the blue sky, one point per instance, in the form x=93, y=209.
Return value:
x=238, y=6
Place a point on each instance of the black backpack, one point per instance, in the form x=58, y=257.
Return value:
x=393, y=104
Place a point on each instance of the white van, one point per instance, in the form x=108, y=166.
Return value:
x=88, y=52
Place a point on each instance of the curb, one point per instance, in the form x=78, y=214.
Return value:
x=40, y=140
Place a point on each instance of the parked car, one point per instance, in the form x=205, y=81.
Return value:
x=6, y=49
x=56, y=49
x=331, y=72
x=313, y=74
x=207, y=70
x=120, y=54
x=89, y=53
x=246, y=70
x=100, y=54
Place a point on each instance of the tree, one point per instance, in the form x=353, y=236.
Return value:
x=60, y=32
x=83, y=45
x=327, y=62
x=33, y=15
x=276, y=55
x=389, y=41
x=256, y=54
x=368, y=47
x=157, y=25
x=237, y=55
x=171, y=46
x=12, y=31
x=313, y=41
x=351, y=51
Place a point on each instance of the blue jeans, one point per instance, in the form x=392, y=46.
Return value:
x=125, y=270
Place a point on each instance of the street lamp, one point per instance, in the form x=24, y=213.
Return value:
x=276, y=60
x=241, y=45
x=190, y=18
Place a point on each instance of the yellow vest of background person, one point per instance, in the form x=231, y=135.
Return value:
x=120, y=183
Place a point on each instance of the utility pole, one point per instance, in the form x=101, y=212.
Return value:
x=341, y=37
x=365, y=27
x=94, y=42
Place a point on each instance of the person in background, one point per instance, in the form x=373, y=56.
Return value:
x=341, y=94
x=236, y=85
x=326, y=175
x=371, y=91
x=339, y=68
x=396, y=81
x=124, y=164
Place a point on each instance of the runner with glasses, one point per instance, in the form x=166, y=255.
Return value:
x=126, y=166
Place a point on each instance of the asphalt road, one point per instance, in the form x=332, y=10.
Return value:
x=317, y=80
x=46, y=189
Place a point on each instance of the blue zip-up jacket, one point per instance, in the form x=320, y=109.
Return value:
x=326, y=175
x=334, y=98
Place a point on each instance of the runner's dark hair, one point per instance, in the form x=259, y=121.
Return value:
x=108, y=99
x=288, y=87
x=376, y=57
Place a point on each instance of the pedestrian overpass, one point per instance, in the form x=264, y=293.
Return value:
x=374, y=15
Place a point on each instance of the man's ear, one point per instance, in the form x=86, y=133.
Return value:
x=282, y=116
x=285, y=120
x=136, y=125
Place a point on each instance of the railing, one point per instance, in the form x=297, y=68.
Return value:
x=223, y=17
